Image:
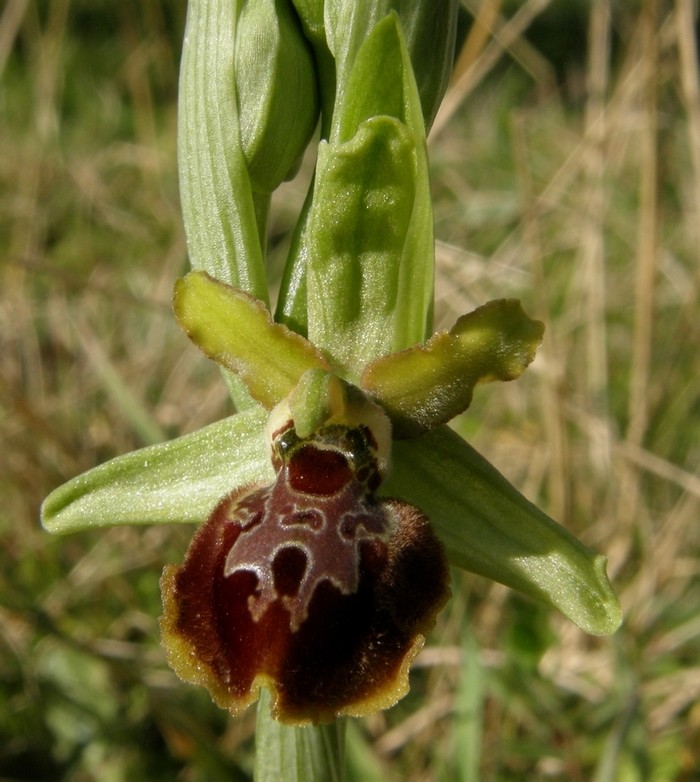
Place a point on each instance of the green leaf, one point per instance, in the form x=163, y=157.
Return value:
x=284, y=753
x=176, y=481
x=428, y=385
x=489, y=528
x=219, y=211
x=237, y=332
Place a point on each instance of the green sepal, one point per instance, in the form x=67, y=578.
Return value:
x=237, y=332
x=363, y=197
x=219, y=211
x=177, y=481
x=366, y=241
x=489, y=528
x=428, y=385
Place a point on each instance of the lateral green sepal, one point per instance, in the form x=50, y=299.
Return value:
x=489, y=528
x=428, y=385
x=237, y=332
x=177, y=481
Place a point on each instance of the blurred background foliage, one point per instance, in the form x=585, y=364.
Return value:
x=566, y=171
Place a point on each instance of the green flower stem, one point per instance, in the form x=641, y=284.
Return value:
x=261, y=205
x=293, y=754
x=292, y=308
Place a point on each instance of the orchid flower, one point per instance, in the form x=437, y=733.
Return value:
x=331, y=505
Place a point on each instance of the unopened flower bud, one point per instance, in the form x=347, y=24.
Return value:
x=277, y=91
x=429, y=28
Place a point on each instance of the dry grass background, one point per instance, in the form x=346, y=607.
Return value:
x=566, y=172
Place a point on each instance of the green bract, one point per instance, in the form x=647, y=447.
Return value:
x=359, y=280
x=223, y=221
x=338, y=28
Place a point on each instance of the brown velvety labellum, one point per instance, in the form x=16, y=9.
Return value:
x=311, y=586
x=319, y=471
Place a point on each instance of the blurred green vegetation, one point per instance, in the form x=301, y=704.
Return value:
x=567, y=173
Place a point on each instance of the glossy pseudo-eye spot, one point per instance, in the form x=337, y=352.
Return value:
x=311, y=586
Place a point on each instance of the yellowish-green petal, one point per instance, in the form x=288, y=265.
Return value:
x=237, y=332
x=427, y=385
